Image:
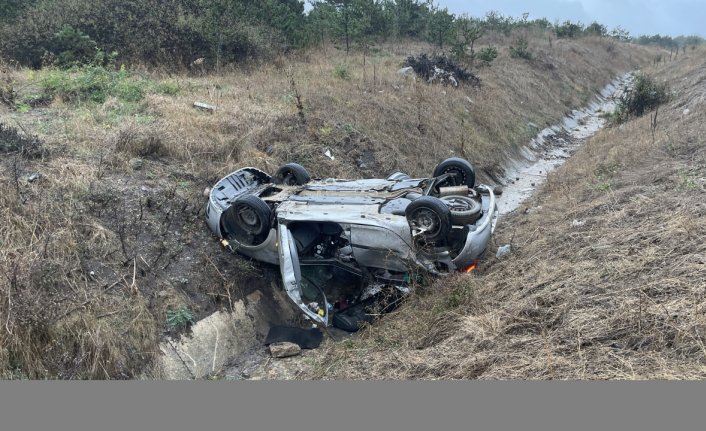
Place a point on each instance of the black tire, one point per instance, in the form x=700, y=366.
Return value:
x=292, y=174
x=464, y=210
x=465, y=175
x=429, y=218
x=248, y=220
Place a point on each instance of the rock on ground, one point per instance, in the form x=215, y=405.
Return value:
x=284, y=349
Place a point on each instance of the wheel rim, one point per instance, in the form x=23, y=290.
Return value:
x=457, y=180
x=427, y=221
x=458, y=204
x=249, y=221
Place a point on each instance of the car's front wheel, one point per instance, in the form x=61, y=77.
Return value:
x=429, y=219
x=462, y=173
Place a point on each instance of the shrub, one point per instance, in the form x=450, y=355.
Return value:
x=8, y=94
x=167, y=88
x=97, y=83
x=72, y=47
x=645, y=95
x=569, y=29
x=12, y=142
x=487, y=54
x=520, y=49
x=342, y=71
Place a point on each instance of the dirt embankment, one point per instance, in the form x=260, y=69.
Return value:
x=105, y=252
x=606, y=277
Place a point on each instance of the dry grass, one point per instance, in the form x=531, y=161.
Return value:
x=94, y=252
x=621, y=296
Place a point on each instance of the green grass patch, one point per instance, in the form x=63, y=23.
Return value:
x=342, y=71
x=179, y=318
x=95, y=84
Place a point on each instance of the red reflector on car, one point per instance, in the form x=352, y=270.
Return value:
x=470, y=268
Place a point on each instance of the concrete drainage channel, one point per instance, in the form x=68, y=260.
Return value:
x=218, y=339
x=554, y=145
x=233, y=340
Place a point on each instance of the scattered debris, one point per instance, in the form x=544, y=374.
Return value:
x=329, y=155
x=32, y=177
x=441, y=69
x=406, y=71
x=204, y=106
x=284, y=349
x=136, y=164
x=207, y=191
x=503, y=251
x=686, y=112
x=578, y=223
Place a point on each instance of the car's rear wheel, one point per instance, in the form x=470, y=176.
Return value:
x=292, y=174
x=464, y=210
x=429, y=218
x=463, y=173
x=248, y=220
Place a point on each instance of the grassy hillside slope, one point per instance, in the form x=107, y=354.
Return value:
x=607, y=278
x=105, y=251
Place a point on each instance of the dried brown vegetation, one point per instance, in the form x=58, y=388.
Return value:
x=95, y=250
x=619, y=295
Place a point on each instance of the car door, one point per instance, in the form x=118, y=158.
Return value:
x=292, y=277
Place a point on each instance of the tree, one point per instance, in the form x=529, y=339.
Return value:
x=620, y=33
x=440, y=25
x=596, y=29
x=10, y=9
x=468, y=31
x=344, y=19
x=410, y=17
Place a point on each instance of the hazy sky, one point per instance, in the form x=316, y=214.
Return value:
x=666, y=17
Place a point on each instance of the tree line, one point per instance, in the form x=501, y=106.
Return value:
x=177, y=32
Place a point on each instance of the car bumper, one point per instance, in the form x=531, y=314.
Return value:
x=480, y=234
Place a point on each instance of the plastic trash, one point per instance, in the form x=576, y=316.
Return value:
x=503, y=251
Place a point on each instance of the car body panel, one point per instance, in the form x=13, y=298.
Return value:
x=374, y=232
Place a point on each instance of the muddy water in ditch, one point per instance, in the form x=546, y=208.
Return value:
x=554, y=145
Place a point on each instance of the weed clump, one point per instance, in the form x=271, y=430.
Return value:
x=13, y=142
x=442, y=68
x=179, y=318
x=342, y=71
x=645, y=95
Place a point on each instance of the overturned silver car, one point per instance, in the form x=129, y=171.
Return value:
x=338, y=242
